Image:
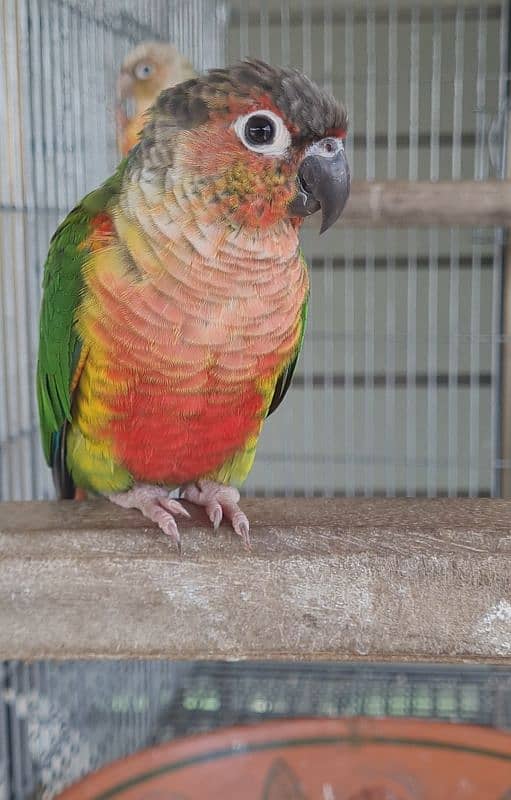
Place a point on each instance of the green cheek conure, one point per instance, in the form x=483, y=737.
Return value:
x=175, y=296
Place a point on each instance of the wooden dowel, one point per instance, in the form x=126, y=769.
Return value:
x=423, y=203
x=325, y=579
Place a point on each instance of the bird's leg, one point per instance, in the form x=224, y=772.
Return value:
x=219, y=501
x=155, y=503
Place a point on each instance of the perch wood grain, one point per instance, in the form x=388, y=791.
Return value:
x=326, y=579
x=422, y=203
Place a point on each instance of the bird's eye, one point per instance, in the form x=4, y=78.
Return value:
x=143, y=70
x=259, y=130
x=263, y=132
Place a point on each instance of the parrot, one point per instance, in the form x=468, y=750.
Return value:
x=148, y=69
x=175, y=295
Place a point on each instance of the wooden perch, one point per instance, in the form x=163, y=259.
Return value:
x=423, y=203
x=326, y=579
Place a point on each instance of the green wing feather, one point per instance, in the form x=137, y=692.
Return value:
x=59, y=343
x=286, y=376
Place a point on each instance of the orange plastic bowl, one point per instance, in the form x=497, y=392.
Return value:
x=355, y=759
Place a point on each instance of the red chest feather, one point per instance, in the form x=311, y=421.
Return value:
x=168, y=436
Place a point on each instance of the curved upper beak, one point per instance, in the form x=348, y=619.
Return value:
x=323, y=183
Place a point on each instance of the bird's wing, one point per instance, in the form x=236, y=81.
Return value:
x=286, y=376
x=61, y=357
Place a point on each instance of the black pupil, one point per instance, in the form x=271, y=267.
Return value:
x=259, y=130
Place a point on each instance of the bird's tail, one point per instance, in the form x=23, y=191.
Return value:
x=63, y=482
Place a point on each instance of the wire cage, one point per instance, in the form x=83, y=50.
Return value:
x=398, y=389
x=398, y=386
x=60, y=63
x=58, y=734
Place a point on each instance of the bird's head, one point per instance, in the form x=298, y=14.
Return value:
x=255, y=144
x=149, y=68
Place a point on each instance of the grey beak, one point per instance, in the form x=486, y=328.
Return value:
x=323, y=183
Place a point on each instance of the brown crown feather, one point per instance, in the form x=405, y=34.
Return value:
x=312, y=110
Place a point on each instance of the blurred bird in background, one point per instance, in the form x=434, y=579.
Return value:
x=147, y=70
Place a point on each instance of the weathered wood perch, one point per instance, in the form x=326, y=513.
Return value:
x=326, y=579
x=422, y=203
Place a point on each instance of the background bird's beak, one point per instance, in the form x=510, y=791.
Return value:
x=125, y=104
x=124, y=83
x=323, y=183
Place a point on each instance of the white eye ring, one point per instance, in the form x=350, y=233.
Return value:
x=143, y=70
x=281, y=138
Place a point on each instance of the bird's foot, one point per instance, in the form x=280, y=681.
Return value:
x=219, y=501
x=155, y=503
